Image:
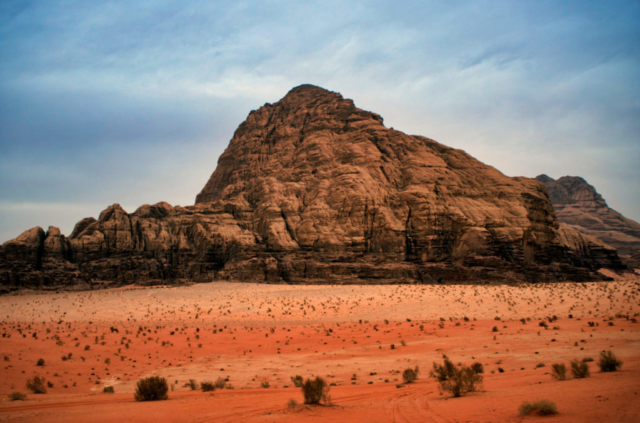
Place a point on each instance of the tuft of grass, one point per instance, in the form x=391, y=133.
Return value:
x=207, y=386
x=40, y=362
x=152, y=388
x=108, y=390
x=264, y=384
x=608, y=362
x=579, y=369
x=192, y=384
x=36, y=385
x=559, y=371
x=543, y=408
x=17, y=396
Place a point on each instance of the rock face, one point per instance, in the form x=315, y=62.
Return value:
x=314, y=190
x=579, y=205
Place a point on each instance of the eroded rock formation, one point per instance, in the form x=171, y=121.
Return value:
x=312, y=189
x=579, y=205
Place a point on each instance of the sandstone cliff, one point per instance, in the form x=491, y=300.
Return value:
x=579, y=205
x=313, y=189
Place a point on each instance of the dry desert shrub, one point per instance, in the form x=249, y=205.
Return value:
x=207, y=386
x=315, y=391
x=221, y=383
x=608, y=362
x=559, y=371
x=579, y=369
x=153, y=388
x=108, y=390
x=192, y=384
x=456, y=380
x=543, y=408
x=297, y=381
x=17, y=396
x=36, y=385
x=409, y=375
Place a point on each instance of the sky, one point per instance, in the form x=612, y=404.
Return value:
x=106, y=102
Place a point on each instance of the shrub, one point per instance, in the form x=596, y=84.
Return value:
x=292, y=403
x=17, y=396
x=220, y=383
x=457, y=381
x=152, y=388
x=587, y=360
x=108, y=390
x=315, y=391
x=539, y=365
x=409, y=375
x=477, y=367
x=40, y=362
x=192, y=384
x=579, y=369
x=207, y=386
x=559, y=371
x=543, y=408
x=264, y=384
x=36, y=385
x=297, y=381
x=608, y=362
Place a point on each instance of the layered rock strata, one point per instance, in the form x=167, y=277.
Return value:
x=312, y=189
x=580, y=206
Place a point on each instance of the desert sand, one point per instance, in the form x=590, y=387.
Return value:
x=358, y=338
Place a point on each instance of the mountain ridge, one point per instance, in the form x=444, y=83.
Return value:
x=313, y=189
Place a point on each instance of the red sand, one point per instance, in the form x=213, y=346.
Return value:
x=252, y=333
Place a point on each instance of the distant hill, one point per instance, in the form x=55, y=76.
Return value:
x=577, y=203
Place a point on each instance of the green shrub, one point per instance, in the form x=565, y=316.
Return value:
x=264, y=384
x=192, y=384
x=220, y=383
x=315, y=391
x=579, y=369
x=457, y=381
x=153, y=388
x=608, y=362
x=36, y=385
x=409, y=375
x=17, y=396
x=297, y=381
x=108, y=390
x=40, y=362
x=292, y=403
x=207, y=386
x=543, y=408
x=559, y=371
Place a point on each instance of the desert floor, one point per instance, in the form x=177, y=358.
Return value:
x=359, y=338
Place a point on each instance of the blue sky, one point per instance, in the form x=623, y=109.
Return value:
x=116, y=101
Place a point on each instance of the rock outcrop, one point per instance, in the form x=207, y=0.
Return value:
x=312, y=189
x=580, y=206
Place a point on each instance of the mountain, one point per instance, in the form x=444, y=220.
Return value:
x=312, y=189
x=579, y=205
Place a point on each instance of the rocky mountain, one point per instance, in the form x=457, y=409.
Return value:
x=579, y=205
x=312, y=189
